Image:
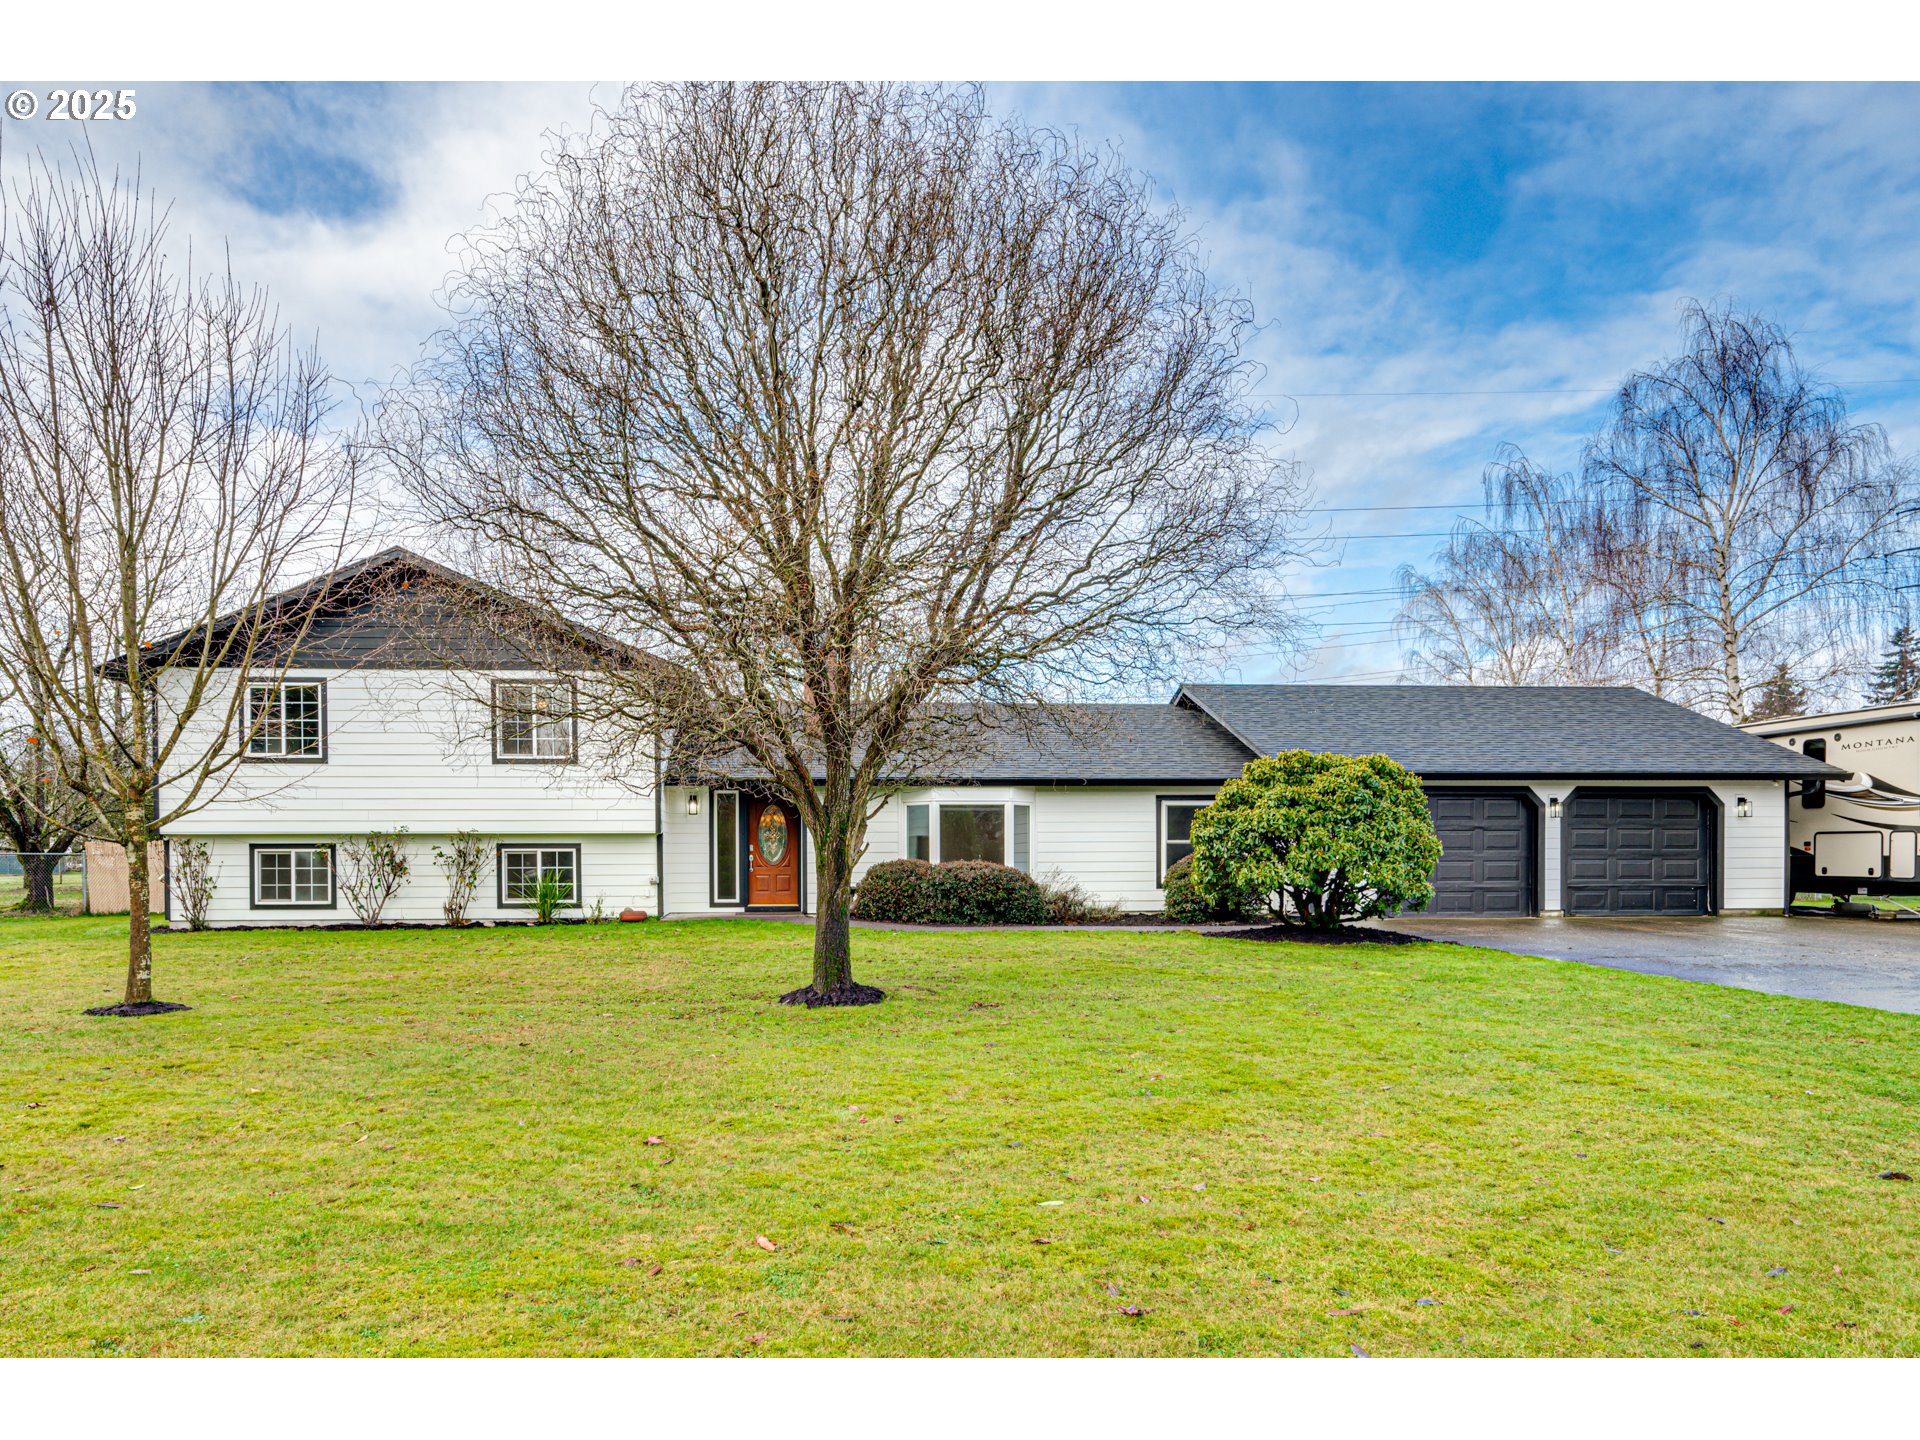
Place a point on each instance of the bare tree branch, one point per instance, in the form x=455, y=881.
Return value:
x=848, y=402
x=165, y=462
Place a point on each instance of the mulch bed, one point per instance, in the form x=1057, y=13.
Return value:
x=1345, y=935
x=853, y=993
x=145, y=1007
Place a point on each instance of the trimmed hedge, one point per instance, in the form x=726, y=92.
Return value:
x=955, y=892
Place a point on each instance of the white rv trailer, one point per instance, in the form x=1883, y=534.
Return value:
x=1862, y=834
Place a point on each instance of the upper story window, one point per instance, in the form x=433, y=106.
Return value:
x=286, y=721
x=533, y=721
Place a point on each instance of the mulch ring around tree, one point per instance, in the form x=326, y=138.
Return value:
x=145, y=1007
x=851, y=993
x=1296, y=935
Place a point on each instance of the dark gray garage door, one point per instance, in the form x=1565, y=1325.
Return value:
x=1486, y=853
x=1638, y=852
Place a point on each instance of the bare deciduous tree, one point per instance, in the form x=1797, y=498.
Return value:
x=848, y=402
x=165, y=465
x=40, y=817
x=1730, y=519
x=1782, y=511
x=1512, y=599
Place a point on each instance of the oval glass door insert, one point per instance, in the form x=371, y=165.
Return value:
x=773, y=835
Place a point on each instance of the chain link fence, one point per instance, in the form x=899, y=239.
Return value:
x=42, y=884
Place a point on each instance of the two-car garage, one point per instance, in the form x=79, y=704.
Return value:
x=1556, y=800
x=1622, y=851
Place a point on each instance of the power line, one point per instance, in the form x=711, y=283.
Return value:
x=1329, y=594
x=1465, y=505
x=1534, y=390
x=1419, y=535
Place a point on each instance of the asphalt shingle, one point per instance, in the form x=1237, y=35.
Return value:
x=1460, y=731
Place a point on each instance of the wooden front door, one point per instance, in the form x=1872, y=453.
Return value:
x=773, y=854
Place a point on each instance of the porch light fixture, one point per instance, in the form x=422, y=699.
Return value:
x=693, y=802
x=1553, y=808
x=1743, y=807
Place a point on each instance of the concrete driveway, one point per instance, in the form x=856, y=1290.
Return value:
x=1858, y=962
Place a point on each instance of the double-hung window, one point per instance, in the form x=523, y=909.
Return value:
x=293, y=877
x=524, y=867
x=286, y=721
x=1176, y=828
x=533, y=722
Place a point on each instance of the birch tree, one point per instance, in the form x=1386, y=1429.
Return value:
x=1786, y=519
x=1728, y=520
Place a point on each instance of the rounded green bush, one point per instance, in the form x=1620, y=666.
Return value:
x=898, y=890
x=955, y=892
x=1185, y=905
x=1336, y=837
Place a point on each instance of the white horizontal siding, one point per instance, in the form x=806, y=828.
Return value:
x=616, y=870
x=414, y=748
x=1103, y=837
x=1754, y=851
x=685, y=839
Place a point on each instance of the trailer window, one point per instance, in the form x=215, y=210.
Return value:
x=1813, y=793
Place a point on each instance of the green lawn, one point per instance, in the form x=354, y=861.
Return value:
x=430, y=1142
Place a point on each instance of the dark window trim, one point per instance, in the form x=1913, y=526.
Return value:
x=253, y=877
x=1160, y=831
x=714, y=902
x=247, y=757
x=1712, y=816
x=572, y=757
x=500, y=871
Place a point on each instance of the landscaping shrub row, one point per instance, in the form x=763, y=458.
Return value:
x=954, y=892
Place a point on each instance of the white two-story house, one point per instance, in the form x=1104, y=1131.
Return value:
x=400, y=711
x=400, y=714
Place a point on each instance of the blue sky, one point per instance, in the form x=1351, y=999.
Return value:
x=1441, y=268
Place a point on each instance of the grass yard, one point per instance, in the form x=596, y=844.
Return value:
x=417, y=1142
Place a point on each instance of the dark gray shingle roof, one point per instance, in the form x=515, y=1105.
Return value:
x=1108, y=744
x=1073, y=744
x=1460, y=731
x=399, y=610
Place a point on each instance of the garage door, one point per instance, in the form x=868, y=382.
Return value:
x=1637, y=853
x=1486, y=853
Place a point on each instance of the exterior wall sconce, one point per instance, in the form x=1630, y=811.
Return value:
x=693, y=802
x=1553, y=808
x=1743, y=807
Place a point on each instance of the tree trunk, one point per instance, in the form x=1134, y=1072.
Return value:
x=834, y=850
x=139, y=935
x=1736, y=689
x=37, y=872
x=833, y=929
